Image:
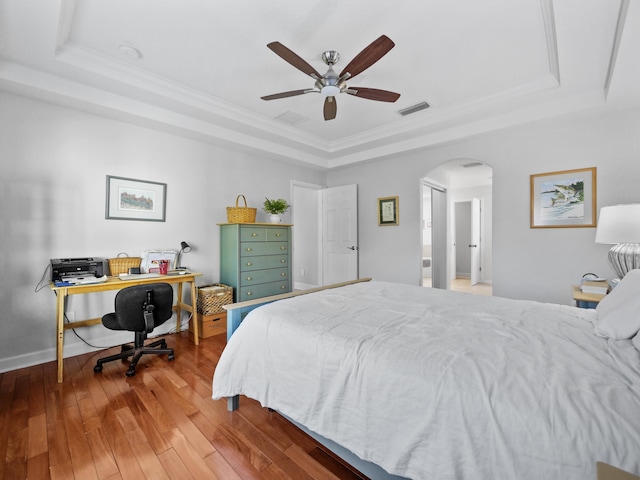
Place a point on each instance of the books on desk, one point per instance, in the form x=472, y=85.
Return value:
x=600, y=287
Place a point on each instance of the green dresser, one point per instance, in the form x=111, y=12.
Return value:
x=255, y=259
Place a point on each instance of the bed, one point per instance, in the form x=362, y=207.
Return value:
x=436, y=384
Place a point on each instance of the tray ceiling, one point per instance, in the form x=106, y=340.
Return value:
x=199, y=68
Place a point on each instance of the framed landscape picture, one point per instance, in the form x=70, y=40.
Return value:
x=564, y=199
x=131, y=199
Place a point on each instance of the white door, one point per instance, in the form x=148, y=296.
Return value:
x=340, y=234
x=474, y=246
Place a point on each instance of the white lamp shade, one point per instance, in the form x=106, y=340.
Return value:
x=619, y=224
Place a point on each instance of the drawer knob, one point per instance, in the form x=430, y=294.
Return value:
x=283, y=261
x=254, y=234
x=249, y=294
x=283, y=248
x=249, y=278
x=277, y=234
x=248, y=249
x=282, y=287
x=249, y=264
x=283, y=274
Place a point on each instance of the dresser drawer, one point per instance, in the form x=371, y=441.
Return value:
x=249, y=233
x=278, y=235
x=263, y=290
x=263, y=234
x=250, y=249
x=261, y=262
x=263, y=276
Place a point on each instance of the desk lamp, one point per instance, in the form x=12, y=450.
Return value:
x=620, y=225
x=184, y=248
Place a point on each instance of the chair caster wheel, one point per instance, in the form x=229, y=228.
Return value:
x=97, y=368
x=171, y=356
x=130, y=373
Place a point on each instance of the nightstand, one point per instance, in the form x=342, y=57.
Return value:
x=586, y=300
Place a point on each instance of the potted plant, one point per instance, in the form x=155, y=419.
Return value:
x=275, y=207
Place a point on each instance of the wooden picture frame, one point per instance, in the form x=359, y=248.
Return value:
x=388, y=211
x=131, y=199
x=564, y=199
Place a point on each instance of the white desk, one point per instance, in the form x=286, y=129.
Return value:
x=115, y=283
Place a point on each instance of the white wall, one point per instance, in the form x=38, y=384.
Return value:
x=54, y=166
x=538, y=264
x=55, y=160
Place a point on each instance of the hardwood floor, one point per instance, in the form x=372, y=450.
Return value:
x=464, y=285
x=161, y=423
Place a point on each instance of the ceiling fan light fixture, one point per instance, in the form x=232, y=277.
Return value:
x=330, y=91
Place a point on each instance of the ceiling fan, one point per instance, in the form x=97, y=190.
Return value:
x=331, y=84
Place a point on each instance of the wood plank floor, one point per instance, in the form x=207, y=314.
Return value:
x=159, y=424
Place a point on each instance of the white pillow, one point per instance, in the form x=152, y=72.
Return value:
x=619, y=312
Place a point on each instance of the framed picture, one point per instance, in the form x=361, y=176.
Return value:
x=564, y=199
x=388, y=213
x=151, y=260
x=130, y=199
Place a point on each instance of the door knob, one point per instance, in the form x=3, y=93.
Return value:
x=470, y=246
x=353, y=247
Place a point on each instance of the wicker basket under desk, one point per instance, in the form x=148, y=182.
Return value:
x=211, y=298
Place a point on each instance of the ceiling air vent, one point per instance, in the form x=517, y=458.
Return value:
x=413, y=109
x=472, y=164
x=291, y=118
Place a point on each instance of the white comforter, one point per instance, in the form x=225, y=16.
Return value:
x=433, y=384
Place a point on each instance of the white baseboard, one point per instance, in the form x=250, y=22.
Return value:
x=49, y=355
x=303, y=286
x=111, y=338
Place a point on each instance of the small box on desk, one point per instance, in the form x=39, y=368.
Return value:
x=209, y=325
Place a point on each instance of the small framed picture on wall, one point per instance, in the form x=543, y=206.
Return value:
x=388, y=211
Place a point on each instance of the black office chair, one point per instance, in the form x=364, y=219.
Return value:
x=140, y=309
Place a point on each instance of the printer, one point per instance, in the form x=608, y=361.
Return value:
x=67, y=268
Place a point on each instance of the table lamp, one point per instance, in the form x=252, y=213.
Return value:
x=619, y=225
x=184, y=248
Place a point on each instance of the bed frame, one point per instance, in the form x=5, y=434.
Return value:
x=237, y=311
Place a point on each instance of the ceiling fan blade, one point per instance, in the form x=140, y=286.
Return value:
x=292, y=58
x=330, y=108
x=292, y=93
x=367, y=57
x=373, y=94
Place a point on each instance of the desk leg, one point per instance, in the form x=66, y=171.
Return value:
x=179, y=308
x=194, y=309
x=62, y=295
